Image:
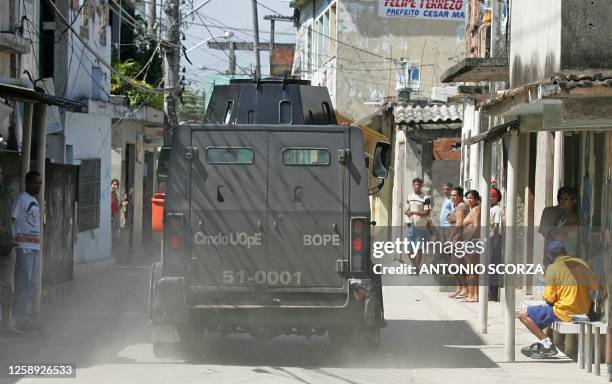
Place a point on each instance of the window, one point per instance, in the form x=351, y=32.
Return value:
x=228, y=111
x=89, y=195
x=309, y=49
x=325, y=32
x=229, y=155
x=285, y=112
x=327, y=112
x=305, y=156
x=88, y=11
x=320, y=42
x=96, y=83
x=332, y=31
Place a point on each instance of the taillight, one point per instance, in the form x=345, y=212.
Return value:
x=176, y=242
x=359, y=245
x=359, y=294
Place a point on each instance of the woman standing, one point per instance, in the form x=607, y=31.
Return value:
x=455, y=218
x=495, y=241
x=471, y=232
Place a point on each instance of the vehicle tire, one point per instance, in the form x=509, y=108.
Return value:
x=190, y=339
x=156, y=275
x=162, y=349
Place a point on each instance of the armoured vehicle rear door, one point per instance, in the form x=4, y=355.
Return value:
x=306, y=208
x=228, y=206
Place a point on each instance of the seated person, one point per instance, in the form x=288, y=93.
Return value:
x=569, y=283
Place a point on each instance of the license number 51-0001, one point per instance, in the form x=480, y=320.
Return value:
x=262, y=277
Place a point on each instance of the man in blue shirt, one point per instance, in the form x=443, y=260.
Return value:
x=447, y=206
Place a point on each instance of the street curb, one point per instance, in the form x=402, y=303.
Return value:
x=84, y=269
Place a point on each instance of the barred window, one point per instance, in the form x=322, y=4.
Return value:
x=89, y=195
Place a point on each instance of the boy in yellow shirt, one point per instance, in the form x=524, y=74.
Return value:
x=569, y=283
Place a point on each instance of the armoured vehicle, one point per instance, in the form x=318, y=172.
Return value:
x=267, y=221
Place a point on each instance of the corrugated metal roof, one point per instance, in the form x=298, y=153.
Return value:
x=438, y=113
x=582, y=79
x=589, y=82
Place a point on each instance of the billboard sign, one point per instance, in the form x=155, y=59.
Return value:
x=445, y=10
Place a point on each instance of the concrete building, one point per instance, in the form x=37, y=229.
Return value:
x=550, y=119
x=381, y=60
x=15, y=49
x=116, y=140
x=76, y=62
x=137, y=135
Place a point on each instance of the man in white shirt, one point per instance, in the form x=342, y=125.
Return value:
x=417, y=214
x=26, y=231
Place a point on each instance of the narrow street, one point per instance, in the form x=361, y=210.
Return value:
x=103, y=329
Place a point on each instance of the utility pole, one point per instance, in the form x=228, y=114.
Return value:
x=171, y=44
x=232, y=59
x=119, y=33
x=256, y=40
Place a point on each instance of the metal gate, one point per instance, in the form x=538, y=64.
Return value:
x=59, y=225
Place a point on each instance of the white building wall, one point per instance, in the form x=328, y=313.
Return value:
x=90, y=135
x=470, y=159
x=81, y=61
x=536, y=40
x=355, y=78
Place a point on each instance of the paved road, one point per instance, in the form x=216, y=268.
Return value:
x=102, y=328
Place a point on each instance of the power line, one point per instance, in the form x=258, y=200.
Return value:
x=91, y=76
x=132, y=82
x=268, y=8
x=245, y=31
x=353, y=47
x=78, y=68
x=215, y=40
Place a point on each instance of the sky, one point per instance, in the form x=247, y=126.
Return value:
x=227, y=15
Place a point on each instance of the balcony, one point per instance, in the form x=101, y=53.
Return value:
x=10, y=42
x=477, y=69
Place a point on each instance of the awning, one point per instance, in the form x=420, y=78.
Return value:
x=478, y=69
x=494, y=133
x=568, y=101
x=27, y=95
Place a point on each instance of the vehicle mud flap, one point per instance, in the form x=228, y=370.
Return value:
x=153, y=302
x=366, y=334
x=370, y=300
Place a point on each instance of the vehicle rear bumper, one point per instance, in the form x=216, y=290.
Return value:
x=270, y=309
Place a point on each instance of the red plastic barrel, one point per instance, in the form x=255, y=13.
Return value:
x=157, y=212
